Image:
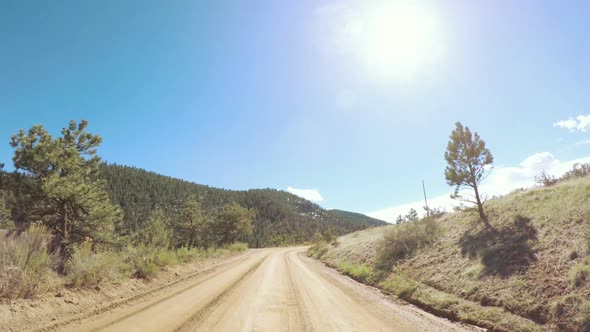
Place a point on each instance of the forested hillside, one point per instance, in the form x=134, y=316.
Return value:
x=357, y=218
x=282, y=218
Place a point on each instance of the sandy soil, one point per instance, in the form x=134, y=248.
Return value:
x=264, y=290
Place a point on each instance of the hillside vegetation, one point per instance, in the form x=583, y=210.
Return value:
x=531, y=272
x=281, y=217
x=357, y=218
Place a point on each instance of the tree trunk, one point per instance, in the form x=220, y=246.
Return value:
x=482, y=214
x=65, y=226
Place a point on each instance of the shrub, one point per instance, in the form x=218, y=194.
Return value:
x=358, y=272
x=237, y=247
x=318, y=250
x=579, y=275
x=165, y=257
x=186, y=254
x=545, y=180
x=401, y=286
x=26, y=264
x=403, y=240
x=142, y=261
x=87, y=268
x=577, y=171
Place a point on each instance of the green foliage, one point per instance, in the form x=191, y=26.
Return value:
x=318, y=238
x=318, y=250
x=143, y=261
x=328, y=236
x=319, y=246
x=358, y=219
x=86, y=268
x=236, y=247
x=359, y=272
x=403, y=240
x=155, y=232
x=61, y=187
x=232, y=222
x=190, y=226
x=26, y=264
x=400, y=285
x=186, y=254
x=5, y=217
x=467, y=158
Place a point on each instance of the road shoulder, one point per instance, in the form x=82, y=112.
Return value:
x=54, y=310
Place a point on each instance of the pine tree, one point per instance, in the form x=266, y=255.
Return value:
x=155, y=231
x=190, y=226
x=231, y=223
x=60, y=183
x=467, y=158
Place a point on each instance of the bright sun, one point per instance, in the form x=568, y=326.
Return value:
x=400, y=40
x=396, y=40
x=392, y=41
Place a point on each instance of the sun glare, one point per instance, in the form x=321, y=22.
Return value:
x=401, y=41
x=394, y=41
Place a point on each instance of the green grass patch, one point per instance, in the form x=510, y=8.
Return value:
x=455, y=308
x=359, y=272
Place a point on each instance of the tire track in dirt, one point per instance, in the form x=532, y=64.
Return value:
x=213, y=274
x=303, y=315
x=208, y=272
x=275, y=289
x=167, y=311
x=195, y=321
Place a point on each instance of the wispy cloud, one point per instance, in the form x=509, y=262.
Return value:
x=309, y=194
x=501, y=181
x=580, y=123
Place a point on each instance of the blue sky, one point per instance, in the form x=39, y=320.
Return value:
x=251, y=94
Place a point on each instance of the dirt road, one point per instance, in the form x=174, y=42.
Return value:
x=266, y=290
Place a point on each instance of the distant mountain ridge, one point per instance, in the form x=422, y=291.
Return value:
x=282, y=218
x=360, y=218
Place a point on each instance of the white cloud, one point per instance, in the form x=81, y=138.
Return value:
x=502, y=180
x=390, y=213
x=309, y=194
x=580, y=123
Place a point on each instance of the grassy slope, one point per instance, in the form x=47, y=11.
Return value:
x=538, y=268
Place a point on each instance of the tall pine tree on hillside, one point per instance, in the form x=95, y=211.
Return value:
x=231, y=223
x=190, y=226
x=63, y=192
x=467, y=158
